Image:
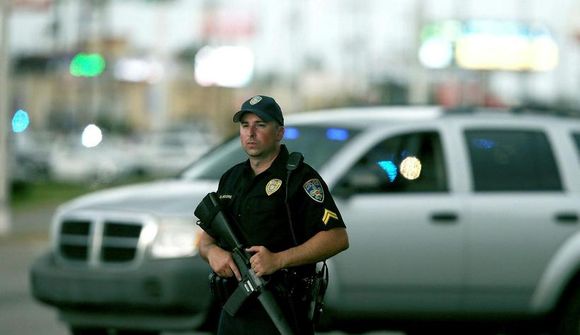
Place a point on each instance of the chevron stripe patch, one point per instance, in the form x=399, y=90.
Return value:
x=328, y=215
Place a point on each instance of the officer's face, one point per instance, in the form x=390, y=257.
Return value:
x=259, y=138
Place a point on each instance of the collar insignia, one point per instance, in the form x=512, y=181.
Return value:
x=273, y=186
x=328, y=215
x=314, y=189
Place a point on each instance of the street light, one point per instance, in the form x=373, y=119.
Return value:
x=4, y=105
x=87, y=65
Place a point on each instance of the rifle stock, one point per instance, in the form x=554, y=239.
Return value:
x=213, y=220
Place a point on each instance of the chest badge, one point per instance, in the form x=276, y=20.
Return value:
x=314, y=189
x=273, y=186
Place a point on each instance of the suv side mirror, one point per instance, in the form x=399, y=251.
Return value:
x=357, y=181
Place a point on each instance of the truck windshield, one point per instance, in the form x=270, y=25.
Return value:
x=316, y=143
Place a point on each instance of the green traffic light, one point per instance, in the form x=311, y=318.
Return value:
x=87, y=65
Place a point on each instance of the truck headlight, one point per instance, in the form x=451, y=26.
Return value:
x=175, y=238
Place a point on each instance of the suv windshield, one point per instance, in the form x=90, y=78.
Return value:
x=316, y=143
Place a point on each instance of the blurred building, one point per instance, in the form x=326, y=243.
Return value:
x=309, y=54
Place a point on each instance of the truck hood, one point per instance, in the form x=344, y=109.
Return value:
x=161, y=198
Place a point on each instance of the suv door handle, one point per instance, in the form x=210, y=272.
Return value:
x=567, y=218
x=444, y=218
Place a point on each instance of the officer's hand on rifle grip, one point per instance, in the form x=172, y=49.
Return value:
x=263, y=261
x=222, y=263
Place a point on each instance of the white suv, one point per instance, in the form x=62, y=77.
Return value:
x=452, y=216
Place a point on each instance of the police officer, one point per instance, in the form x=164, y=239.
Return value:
x=287, y=237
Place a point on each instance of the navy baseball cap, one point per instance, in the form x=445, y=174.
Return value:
x=265, y=107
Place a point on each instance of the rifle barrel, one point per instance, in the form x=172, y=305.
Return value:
x=271, y=306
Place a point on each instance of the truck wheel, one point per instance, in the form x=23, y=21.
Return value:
x=87, y=331
x=569, y=319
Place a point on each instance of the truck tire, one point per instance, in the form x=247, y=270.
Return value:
x=88, y=331
x=569, y=319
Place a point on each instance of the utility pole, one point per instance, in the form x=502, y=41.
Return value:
x=297, y=34
x=159, y=91
x=4, y=128
x=419, y=83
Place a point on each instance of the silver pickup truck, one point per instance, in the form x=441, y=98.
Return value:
x=453, y=218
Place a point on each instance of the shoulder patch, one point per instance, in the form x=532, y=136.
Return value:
x=314, y=189
x=273, y=186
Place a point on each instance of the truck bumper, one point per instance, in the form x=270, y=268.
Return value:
x=172, y=294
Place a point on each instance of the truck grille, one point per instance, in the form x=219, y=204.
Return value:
x=75, y=239
x=99, y=242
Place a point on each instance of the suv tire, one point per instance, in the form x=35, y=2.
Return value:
x=569, y=319
x=88, y=331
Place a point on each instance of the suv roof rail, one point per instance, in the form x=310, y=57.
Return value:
x=546, y=110
x=469, y=109
x=474, y=109
x=532, y=109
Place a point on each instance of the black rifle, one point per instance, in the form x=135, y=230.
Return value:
x=214, y=221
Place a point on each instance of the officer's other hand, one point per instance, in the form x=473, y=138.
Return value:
x=222, y=263
x=263, y=261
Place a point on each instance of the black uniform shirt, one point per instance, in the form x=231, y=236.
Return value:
x=257, y=203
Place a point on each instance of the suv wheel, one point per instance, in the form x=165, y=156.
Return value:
x=87, y=331
x=569, y=321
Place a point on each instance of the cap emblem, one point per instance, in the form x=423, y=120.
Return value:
x=255, y=100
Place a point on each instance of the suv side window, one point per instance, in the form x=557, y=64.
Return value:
x=405, y=163
x=577, y=142
x=512, y=160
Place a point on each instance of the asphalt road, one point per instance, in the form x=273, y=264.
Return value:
x=20, y=314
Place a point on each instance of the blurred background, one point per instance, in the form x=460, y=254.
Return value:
x=98, y=92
